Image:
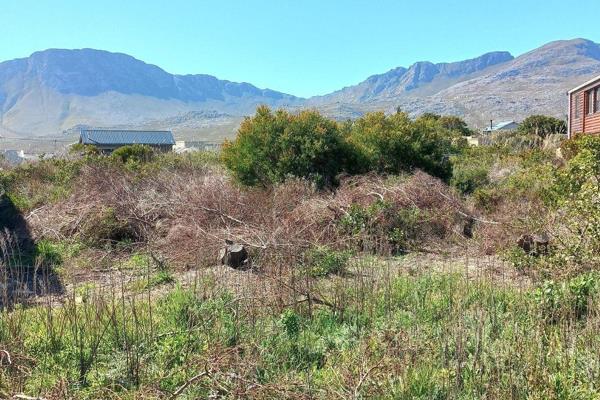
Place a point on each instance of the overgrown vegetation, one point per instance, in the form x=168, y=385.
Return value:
x=273, y=146
x=387, y=260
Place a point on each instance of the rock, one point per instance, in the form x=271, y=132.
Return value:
x=234, y=255
x=467, y=229
x=534, y=244
x=526, y=243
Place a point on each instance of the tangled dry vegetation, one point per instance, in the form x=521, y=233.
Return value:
x=186, y=215
x=342, y=297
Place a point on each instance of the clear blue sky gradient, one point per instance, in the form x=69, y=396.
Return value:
x=302, y=47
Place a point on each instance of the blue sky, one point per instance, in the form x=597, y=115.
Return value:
x=302, y=47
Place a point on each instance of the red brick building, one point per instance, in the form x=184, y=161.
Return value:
x=584, y=108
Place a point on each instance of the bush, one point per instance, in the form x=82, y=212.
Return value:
x=271, y=146
x=576, y=195
x=572, y=297
x=468, y=177
x=106, y=227
x=31, y=185
x=542, y=126
x=383, y=227
x=85, y=150
x=135, y=153
x=323, y=261
x=520, y=259
x=393, y=144
x=583, y=155
x=47, y=254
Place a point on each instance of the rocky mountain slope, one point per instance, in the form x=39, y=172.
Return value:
x=56, y=90
x=493, y=86
x=420, y=77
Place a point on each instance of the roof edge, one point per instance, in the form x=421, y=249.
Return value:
x=583, y=85
x=123, y=130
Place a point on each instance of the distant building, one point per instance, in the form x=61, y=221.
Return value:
x=107, y=140
x=16, y=157
x=13, y=157
x=502, y=126
x=584, y=108
x=184, y=146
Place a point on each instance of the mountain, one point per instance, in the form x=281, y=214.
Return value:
x=494, y=86
x=400, y=81
x=55, y=89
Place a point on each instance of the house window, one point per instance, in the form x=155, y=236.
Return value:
x=597, y=99
x=577, y=106
x=590, y=102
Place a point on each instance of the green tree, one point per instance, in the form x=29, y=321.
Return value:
x=542, y=126
x=454, y=123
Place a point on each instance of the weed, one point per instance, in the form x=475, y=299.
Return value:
x=323, y=261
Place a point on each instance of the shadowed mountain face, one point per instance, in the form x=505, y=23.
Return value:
x=55, y=90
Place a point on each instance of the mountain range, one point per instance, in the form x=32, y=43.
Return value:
x=56, y=90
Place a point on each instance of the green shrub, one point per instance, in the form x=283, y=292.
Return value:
x=290, y=322
x=519, y=259
x=543, y=126
x=572, y=297
x=323, y=261
x=468, y=178
x=31, y=185
x=106, y=227
x=394, y=143
x=272, y=146
x=48, y=254
x=85, y=150
x=135, y=153
x=583, y=166
x=471, y=168
x=487, y=198
x=399, y=227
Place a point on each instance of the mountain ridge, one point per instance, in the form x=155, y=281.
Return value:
x=56, y=89
x=511, y=89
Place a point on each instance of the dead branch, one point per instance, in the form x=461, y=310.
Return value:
x=189, y=382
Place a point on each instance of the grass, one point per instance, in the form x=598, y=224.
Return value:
x=433, y=335
x=319, y=315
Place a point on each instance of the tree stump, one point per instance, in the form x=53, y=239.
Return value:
x=534, y=244
x=234, y=256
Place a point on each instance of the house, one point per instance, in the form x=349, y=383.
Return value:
x=584, y=108
x=502, y=126
x=107, y=140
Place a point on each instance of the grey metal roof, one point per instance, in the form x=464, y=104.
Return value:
x=500, y=125
x=124, y=137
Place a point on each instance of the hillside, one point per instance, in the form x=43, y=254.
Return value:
x=493, y=86
x=54, y=90
x=420, y=78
